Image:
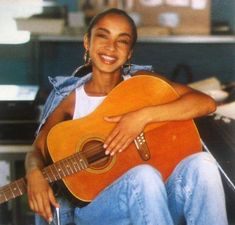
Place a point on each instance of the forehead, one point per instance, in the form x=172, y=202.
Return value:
x=114, y=21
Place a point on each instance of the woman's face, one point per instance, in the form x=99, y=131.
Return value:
x=110, y=43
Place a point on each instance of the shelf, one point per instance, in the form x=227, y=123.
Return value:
x=15, y=149
x=189, y=39
x=182, y=39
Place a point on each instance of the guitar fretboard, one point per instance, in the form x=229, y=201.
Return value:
x=12, y=190
x=56, y=171
x=65, y=167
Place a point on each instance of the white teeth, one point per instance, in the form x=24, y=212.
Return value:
x=108, y=58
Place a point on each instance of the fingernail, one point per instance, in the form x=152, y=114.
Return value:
x=104, y=146
x=106, y=152
x=50, y=220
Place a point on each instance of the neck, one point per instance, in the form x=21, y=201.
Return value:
x=102, y=83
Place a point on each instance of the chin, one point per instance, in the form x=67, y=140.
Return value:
x=109, y=69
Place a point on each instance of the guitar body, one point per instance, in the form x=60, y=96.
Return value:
x=168, y=142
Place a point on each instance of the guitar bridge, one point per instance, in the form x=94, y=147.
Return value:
x=142, y=147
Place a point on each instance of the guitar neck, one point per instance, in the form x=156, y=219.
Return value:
x=65, y=167
x=13, y=190
x=53, y=172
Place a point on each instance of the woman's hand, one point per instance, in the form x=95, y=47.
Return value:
x=40, y=194
x=128, y=127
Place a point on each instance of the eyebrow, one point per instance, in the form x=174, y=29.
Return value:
x=108, y=32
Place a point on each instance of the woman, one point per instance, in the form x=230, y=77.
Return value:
x=193, y=193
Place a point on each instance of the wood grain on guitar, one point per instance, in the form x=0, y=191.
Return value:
x=76, y=146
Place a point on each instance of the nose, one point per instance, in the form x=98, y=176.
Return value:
x=111, y=45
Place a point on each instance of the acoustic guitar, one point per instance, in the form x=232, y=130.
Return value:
x=76, y=146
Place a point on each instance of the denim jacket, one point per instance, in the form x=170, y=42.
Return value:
x=64, y=85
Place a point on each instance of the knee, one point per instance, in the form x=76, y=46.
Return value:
x=204, y=168
x=147, y=177
x=203, y=163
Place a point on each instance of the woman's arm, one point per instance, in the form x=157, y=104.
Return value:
x=40, y=194
x=189, y=105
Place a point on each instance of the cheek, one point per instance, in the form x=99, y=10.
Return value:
x=128, y=53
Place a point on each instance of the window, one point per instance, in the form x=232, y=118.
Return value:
x=11, y=9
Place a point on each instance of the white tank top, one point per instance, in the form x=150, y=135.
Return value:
x=85, y=104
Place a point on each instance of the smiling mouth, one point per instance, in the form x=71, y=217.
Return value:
x=108, y=59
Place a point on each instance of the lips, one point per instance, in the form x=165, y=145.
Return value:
x=108, y=59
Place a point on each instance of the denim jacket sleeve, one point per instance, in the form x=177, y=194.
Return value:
x=64, y=85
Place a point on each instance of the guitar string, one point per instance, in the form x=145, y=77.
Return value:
x=64, y=162
x=8, y=189
x=89, y=150
x=92, y=149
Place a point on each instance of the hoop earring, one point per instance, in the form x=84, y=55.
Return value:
x=127, y=68
x=86, y=57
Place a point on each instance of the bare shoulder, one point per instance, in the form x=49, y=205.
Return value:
x=63, y=111
x=67, y=104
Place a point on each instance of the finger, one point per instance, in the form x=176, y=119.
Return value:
x=35, y=205
x=31, y=205
x=53, y=199
x=47, y=207
x=41, y=200
x=112, y=119
x=117, y=144
x=109, y=139
x=30, y=200
x=126, y=144
x=114, y=142
x=122, y=146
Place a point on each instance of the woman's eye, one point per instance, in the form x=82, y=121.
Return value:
x=101, y=35
x=126, y=42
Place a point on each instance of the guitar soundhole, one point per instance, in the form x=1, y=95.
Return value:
x=95, y=154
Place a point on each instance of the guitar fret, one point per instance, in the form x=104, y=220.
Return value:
x=76, y=161
x=65, y=168
x=59, y=170
x=71, y=165
x=18, y=187
x=83, y=163
x=52, y=172
x=6, y=195
x=75, y=164
x=12, y=190
x=69, y=168
x=49, y=174
x=3, y=197
x=55, y=170
x=23, y=185
x=71, y=161
x=53, y=176
x=79, y=161
x=15, y=190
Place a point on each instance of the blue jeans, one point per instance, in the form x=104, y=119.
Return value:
x=192, y=195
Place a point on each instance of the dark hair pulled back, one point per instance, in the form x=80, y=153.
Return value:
x=83, y=70
x=116, y=11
